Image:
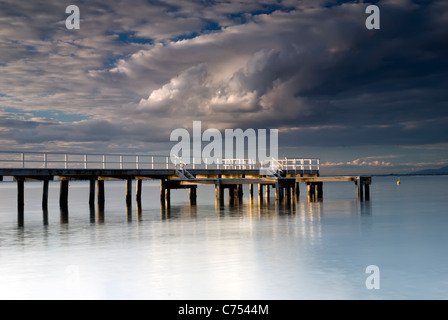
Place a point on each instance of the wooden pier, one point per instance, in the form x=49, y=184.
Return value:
x=283, y=179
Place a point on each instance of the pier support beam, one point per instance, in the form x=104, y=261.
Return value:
x=193, y=195
x=129, y=192
x=363, y=188
x=239, y=191
x=165, y=194
x=63, y=194
x=92, y=193
x=367, y=191
x=360, y=189
x=260, y=192
x=101, y=196
x=319, y=190
x=297, y=191
x=219, y=190
x=20, y=202
x=139, y=191
x=279, y=195
x=311, y=191
x=45, y=195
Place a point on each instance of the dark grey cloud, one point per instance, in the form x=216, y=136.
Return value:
x=139, y=69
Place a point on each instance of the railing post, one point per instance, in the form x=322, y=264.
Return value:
x=85, y=161
x=66, y=161
x=167, y=163
x=152, y=160
x=137, y=161
x=104, y=161
x=121, y=162
x=45, y=161
x=23, y=160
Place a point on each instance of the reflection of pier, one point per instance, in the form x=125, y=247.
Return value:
x=283, y=178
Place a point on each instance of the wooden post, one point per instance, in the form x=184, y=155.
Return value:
x=268, y=192
x=63, y=195
x=101, y=196
x=128, y=192
x=288, y=195
x=239, y=190
x=92, y=193
x=162, y=192
x=320, y=190
x=297, y=190
x=360, y=189
x=260, y=192
x=20, y=202
x=219, y=193
x=45, y=195
x=139, y=191
x=367, y=191
x=193, y=195
x=232, y=191
x=278, y=191
x=251, y=191
x=168, y=197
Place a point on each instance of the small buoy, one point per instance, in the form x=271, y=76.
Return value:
x=398, y=183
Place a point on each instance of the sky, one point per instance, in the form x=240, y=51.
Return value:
x=363, y=101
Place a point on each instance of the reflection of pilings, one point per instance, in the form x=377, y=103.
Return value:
x=64, y=215
x=45, y=217
x=268, y=193
x=260, y=193
x=315, y=191
x=139, y=211
x=129, y=211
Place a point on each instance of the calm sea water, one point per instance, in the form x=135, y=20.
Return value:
x=247, y=251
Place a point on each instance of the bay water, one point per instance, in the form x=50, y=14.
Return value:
x=248, y=250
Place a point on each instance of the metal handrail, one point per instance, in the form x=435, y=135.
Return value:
x=55, y=160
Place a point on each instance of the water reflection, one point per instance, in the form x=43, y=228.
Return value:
x=365, y=208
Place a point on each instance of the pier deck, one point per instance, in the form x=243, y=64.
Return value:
x=282, y=175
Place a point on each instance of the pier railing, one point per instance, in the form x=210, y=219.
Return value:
x=52, y=160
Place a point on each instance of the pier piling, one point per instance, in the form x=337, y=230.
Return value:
x=45, y=195
x=63, y=195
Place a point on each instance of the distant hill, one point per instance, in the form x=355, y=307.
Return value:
x=443, y=170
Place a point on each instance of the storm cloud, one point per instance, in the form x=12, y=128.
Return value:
x=137, y=70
